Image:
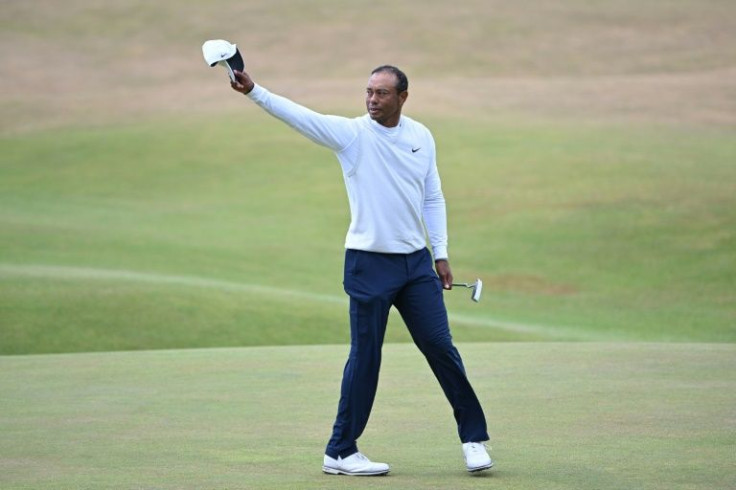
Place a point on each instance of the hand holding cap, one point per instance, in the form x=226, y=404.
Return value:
x=221, y=52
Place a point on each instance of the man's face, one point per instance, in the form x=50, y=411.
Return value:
x=382, y=100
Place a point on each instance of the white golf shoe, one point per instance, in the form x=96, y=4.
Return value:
x=354, y=465
x=476, y=456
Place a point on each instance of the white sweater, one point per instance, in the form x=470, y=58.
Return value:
x=390, y=175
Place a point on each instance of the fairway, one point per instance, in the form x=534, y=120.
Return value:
x=586, y=152
x=170, y=241
x=561, y=415
x=172, y=314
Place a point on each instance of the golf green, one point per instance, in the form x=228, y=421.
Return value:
x=561, y=416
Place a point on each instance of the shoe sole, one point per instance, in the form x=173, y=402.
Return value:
x=480, y=468
x=335, y=471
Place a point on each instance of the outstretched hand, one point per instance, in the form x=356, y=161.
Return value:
x=243, y=83
x=445, y=273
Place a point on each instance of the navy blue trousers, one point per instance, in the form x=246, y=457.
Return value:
x=375, y=282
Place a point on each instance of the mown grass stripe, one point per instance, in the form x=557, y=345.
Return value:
x=90, y=273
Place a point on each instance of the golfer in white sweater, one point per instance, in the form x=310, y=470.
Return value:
x=396, y=202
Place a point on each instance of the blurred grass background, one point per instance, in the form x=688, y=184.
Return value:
x=588, y=159
x=587, y=153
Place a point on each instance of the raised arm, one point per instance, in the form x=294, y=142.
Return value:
x=334, y=132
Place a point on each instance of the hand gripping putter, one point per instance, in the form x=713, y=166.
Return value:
x=476, y=288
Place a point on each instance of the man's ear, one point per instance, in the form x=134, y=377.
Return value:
x=403, y=96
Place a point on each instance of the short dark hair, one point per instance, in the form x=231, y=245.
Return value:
x=402, y=83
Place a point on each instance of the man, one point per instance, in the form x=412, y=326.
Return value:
x=390, y=172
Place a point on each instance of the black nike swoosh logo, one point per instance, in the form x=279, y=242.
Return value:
x=414, y=150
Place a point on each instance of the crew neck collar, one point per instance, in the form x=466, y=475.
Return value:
x=386, y=130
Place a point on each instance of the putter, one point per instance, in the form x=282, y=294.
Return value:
x=476, y=288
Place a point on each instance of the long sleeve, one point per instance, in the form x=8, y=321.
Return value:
x=435, y=214
x=334, y=132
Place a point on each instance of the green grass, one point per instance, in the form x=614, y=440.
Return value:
x=586, y=151
x=561, y=416
x=587, y=155
x=159, y=236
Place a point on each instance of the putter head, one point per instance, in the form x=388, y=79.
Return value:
x=477, y=289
